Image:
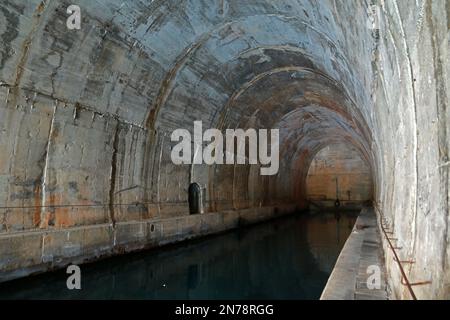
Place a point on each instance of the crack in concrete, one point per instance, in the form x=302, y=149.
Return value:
x=43, y=221
x=113, y=176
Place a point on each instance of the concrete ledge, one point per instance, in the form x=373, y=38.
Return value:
x=362, y=248
x=26, y=253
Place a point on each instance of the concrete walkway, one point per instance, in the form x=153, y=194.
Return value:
x=348, y=281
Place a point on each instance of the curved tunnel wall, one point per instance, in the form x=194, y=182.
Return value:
x=86, y=118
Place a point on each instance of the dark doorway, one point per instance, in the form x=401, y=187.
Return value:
x=195, y=198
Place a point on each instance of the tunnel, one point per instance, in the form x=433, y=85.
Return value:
x=339, y=176
x=357, y=89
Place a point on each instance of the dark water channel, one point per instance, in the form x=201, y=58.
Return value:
x=289, y=258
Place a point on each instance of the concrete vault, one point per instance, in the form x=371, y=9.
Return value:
x=86, y=117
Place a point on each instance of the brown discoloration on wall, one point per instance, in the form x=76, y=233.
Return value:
x=37, y=204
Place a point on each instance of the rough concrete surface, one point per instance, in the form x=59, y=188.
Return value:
x=86, y=117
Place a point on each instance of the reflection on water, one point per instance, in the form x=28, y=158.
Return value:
x=289, y=258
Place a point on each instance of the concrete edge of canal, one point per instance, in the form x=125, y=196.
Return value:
x=362, y=252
